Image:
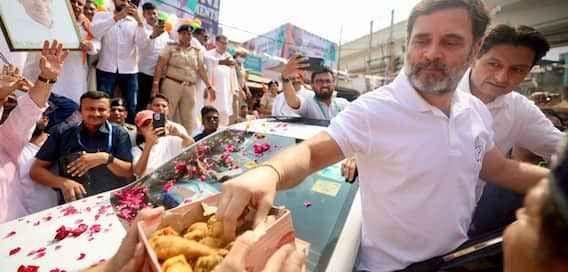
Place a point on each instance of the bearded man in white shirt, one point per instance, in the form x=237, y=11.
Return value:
x=122, y=35
x=504, y=60
x=421, y=147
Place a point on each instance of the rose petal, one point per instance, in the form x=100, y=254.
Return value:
x=39, y=255
x=14, y=251
x=28, y=268
x=10, y=234
x=79, y=230
x=81, y=256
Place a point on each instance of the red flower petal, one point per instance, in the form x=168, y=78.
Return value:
x=61, y=233
x=28, y=268
x=10, y=234
x=95, y=228
x=69, y=210
x=15, y=250
x=79, y=230
x=81, y=256
x=39, y=255
x=56, y=270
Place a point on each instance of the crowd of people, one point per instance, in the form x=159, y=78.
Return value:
x=433, y=149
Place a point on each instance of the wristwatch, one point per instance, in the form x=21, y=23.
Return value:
x=110, y=159
x=46, y=81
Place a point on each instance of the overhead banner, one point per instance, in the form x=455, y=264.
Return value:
x=289, y=39
x=207, y=11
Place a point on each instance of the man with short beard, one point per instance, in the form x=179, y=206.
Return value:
x=322, y=104
x=421, y=147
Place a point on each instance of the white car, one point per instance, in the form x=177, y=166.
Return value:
x=326, y=213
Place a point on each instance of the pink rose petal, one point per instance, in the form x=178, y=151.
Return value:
x=39, y=255
x=14, y=251
x=81, y=256
x=79, y=230
x=10, y=234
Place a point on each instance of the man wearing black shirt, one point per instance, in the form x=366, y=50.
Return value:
x=210, y=119
x=93, y=156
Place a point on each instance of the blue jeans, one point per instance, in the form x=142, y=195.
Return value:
x=496, y=209
x=128, y=84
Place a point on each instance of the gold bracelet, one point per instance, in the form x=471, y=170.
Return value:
x=274, y=169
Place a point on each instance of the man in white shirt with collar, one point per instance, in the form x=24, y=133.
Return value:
x=321, y=104
x=420, y=145
x=122, y=35
x=158, y=39
x=505, y=58
x=280, y=107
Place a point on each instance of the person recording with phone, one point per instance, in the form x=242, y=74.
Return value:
x=322, y=105
x=158, y=38
x=92, y=156
x=156, y=142
x=122, y=37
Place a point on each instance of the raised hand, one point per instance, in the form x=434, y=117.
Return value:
x=296, y=65
x=52, y=58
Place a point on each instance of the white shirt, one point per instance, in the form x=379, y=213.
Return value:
x=120, y=42
x=312, y=108
x=224, y=79
x=150, y=53
x=164, y=150
x=281, y=108
x=72, y=81
x=518, y=121
x=36, y=197
x=418, y=170
x=178, y=127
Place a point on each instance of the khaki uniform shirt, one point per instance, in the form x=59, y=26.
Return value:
x=183, y=63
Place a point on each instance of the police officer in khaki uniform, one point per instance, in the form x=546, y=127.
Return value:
x=178, y=69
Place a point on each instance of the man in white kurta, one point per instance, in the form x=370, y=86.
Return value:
x=220, y=65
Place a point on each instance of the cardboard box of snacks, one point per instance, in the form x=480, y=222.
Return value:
x=190, y=235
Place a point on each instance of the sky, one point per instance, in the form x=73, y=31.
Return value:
x=242, y=20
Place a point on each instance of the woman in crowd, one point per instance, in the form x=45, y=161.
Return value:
x=181, y=65
x=152, y=149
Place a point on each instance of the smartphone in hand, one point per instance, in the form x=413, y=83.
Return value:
x=315, y=64
x=159, y=121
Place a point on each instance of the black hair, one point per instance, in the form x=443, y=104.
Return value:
x=160, y=96
x=220, y=37
x=148, y=6
x=95, y=95
x=324, y=70
x=199, y=31
x=525, y=36
x=475, y=8
x=207, y=109
x=117, y=102
x=185, y=27
x=273, y=82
